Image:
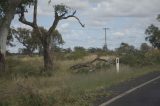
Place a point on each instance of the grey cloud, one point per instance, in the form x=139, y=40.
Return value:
x=131, y=8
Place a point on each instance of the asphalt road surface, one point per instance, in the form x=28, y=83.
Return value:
x=148, y=95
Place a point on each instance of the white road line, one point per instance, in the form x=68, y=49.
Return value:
x=127, y=92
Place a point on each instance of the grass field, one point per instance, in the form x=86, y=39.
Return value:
x=24, y=85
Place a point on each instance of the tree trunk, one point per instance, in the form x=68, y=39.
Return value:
x=3, y=39
x=4, y=30
x=2, y=62
x=48, y=62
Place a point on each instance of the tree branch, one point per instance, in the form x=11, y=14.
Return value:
x=61, y=17
x=22, y=18
x=20, y=40
x=55, y=23
x=33, y=24
x=24, y=21
x=72, y=16
x=35, y=13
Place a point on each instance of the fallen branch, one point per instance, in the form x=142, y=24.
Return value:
x=90, y=64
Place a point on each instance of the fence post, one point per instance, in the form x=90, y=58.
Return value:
x=117, y=64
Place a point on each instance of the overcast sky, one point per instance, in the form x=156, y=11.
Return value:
x=127, y=20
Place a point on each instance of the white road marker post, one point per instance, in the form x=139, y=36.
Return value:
x=117, y=64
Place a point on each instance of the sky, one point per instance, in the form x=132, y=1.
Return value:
x=126, y=20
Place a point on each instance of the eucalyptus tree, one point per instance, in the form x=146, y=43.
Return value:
x=126, y=49
x=8, y=9
x=25, y=37
x=28, y=38
x=153, y=33
x=61, y=12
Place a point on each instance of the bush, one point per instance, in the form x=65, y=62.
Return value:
x=76, y=55
x=153, y=56
x=141, y=58
x=133, y=59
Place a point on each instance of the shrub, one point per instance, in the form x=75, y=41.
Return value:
x=141, y=58
x=153, y=56
x=76, y=55
x=133, y=59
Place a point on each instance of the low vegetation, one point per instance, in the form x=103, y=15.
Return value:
x=24, y=84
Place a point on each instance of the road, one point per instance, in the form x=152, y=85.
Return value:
x=148, y=95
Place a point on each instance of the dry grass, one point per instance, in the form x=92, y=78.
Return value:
x=26, y=87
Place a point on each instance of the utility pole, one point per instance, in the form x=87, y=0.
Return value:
x=105, y=44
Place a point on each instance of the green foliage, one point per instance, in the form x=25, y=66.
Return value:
x=131, y=56
x=132, y=59
x=32, y=41
x=153, y=56
x=4, y=4
x=56, y=39
x=79, y=49
x=25, y=37
x=99, y=51
x=61, y=9
x=153, y=37
x=79, y=53
x=94, y=50
x=158, y=18
x=125, y=49
x=10, y=39
x=141, y=58
x=28, y=2
x=76, y=55
x=145, y=47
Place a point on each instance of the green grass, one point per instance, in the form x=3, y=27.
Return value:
x=23, y=85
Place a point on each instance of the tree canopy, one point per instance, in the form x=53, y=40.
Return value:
x=4, y=5
x=145, y=47
x=28, y=38
x=153, y=33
